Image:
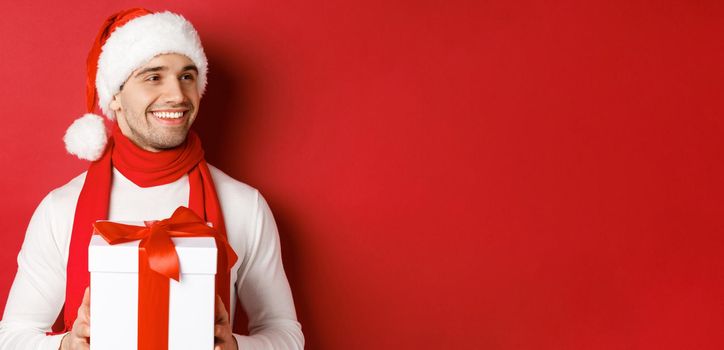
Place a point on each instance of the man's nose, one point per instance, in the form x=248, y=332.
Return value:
x=173, y=92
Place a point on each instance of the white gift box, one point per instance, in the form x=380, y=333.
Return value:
x=114, y=295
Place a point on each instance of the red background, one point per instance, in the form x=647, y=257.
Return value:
x=445, y=175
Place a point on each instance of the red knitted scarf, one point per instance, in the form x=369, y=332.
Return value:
x=145, y=169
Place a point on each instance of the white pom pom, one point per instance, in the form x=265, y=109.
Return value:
x=86, y=138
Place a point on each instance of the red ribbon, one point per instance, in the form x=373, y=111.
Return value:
x=157, y=263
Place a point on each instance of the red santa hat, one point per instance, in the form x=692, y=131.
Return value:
x=126, y=41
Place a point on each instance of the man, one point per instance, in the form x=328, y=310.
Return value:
x=147, y=72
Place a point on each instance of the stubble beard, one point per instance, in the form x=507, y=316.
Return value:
x=155, y=136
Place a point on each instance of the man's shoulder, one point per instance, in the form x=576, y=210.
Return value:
x=231, y=188
x=228, y=189
x=60, y=202
x=70, y=190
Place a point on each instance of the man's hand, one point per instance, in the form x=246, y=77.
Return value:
x=223, y=338
x=79, y=336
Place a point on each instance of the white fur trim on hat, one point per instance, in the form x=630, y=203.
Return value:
x=137, y=42
x=86, y=138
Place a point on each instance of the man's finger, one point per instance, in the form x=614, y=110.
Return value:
x=82, y=313
x=82, y=345
x=82, y=329
x=85, y=305
x=221, y=315
x=86, y=296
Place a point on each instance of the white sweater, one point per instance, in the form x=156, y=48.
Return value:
x=38, y=291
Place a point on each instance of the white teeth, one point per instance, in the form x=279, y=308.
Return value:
x=168, y=115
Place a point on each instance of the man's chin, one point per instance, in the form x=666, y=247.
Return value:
x=169, y=142
x=169, y=145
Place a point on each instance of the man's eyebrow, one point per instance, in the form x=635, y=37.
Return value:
x=163, y=68
x=150, y=69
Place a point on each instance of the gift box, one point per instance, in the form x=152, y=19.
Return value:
x=114, y=308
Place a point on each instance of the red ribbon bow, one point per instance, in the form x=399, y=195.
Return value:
x=157, y=263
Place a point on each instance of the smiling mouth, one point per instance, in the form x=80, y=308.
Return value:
x=170, y=117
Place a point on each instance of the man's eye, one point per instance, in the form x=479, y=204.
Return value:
x=153, y=78
x=187, y=77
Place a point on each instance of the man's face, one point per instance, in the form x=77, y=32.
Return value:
x=158, y=103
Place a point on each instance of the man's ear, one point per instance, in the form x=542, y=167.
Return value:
x=116, y=103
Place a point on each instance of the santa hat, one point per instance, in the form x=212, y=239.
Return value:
x=128, y=40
